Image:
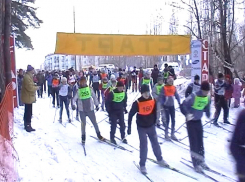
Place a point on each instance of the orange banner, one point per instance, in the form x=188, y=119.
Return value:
x=125, y=45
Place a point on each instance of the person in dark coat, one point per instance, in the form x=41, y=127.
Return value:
x=154, y=74
x=40, y=82
x=19, y=81
x=193, y=87
x=116, y=104
x=145, y=107
x=237, y=146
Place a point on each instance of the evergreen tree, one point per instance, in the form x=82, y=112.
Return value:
x=23, y=17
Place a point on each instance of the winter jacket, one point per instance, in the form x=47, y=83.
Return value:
x=156, y=91
x=28, y=90
x=188, y=103
x=193, y=87
x=228, y=91
x=20, y=81
x=219, y=87
x=49, y=79
x=40, y=78
x=237, y=88
x=154, y=74
x=237, y=146
x=141, y=82
x=134, y=74
x=144, y=121
x=141, y=74
x=169, y=100
x=65, y=90
x=86, y=104
x=112, y=106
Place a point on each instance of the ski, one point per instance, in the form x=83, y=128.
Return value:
x=111, y=144
x=224, y=129
x=143, y=173
x=203, y=173
x=173, y=169
x=213, y=171
x=84, y=149
x=63, y=124
x=175, y=142
x=127, y=144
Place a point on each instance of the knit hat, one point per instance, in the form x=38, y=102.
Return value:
x=120, y=84
x=160, y=78
x=205, y=86
x=220, y=75
x=170, y=80
x=29, y=68
x=64, y=79
x=197, y=77
x=105, y=79
x=144, y=88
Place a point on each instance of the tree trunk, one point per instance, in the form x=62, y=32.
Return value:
x=6, y=45
x=2, y=75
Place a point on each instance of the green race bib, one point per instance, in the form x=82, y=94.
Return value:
x=84, y=93
x=118, y=97
x=146, y=81
x=104, y=85
x=159, y=88
x=200, y=103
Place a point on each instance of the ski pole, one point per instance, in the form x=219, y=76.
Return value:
x=55, y=114
x=180, y=126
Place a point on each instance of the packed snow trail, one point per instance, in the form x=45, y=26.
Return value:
x=55, y=153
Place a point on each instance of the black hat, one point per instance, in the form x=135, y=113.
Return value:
x=220, y=75
x=197, y=77
x=205, y=86
x=120, y=84
x=144, y=88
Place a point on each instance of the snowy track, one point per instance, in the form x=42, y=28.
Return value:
x=54, y=153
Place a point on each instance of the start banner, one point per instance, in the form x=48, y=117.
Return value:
x=125, y=45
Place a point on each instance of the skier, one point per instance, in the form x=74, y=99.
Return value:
x=237, y=88
x=193, y=107
x=156, y=93
x=64, y=89
x=134, y=74
x=145, y=107
x=219, y=100
x=95, y=84
x=146, y=80
x=193, y=87
x=167, y=98
x=116, y=104
x=237, y=146
x=103, y=87
x=55, y=89
x=86, y=100
x=165, y=72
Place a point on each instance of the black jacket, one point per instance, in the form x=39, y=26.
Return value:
x=142, y=120
x=154, y=75
x=112, y=106
x=237, y=146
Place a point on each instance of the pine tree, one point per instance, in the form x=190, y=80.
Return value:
x=23, y=17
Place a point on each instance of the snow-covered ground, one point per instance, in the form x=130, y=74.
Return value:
x=54, y=153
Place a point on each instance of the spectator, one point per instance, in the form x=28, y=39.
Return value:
x=20, y=78
x=154, y=74
x=28, y=97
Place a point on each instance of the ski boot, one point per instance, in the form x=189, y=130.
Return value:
x=113, y=141
x=162, y=163
x=60, y=120
x=100, y=137
x=143, y=170
x=125, y=141
x=69, y=120
x=204, y=165
x=198, y=169
x=173, y=137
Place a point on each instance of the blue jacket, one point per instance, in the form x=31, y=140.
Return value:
x=49, y=79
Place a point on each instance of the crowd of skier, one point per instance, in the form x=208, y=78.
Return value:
x=88, y=92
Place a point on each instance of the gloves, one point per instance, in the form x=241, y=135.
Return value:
x=97, y=108
x=129, y=131
x=73, y=107
x=189, y=117
x=125, y=111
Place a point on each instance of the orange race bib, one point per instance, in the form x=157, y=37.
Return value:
x=169, y=90
x=55, y=82
x=146, y=107
x=103, y=75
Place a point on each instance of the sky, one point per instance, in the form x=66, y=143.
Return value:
x=92, y=16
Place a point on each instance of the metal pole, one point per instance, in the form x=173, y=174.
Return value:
x=74, y=23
